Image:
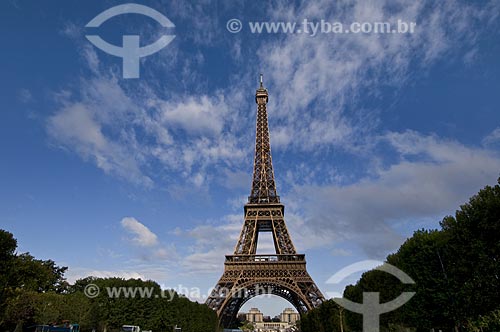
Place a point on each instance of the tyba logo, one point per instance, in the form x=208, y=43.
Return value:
x=371, y=308
x=130, y=51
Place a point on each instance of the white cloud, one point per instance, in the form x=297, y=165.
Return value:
x=236, y=179
x=129, y=129
x=210, y=262
x=203, y=29
x=202, y=115
x=127, y=270
x=211, y=242
x=24, y=96
x=142, y=235
x=316, y=82
x=124, y=132
x=315, y=85
x=492, y=139
x=74, y=274
x=75, y=126
x=432, y=178
x=339, y=252
x=445, y=175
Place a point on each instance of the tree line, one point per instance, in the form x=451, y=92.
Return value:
x=456, y=270
x=35, y=292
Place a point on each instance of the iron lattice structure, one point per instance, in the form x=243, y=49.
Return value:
x=247, y=274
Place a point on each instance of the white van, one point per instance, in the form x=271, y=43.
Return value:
x=130, y=328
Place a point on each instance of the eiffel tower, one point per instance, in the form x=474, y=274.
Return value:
x=247, y=274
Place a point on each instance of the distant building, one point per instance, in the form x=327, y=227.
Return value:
x=287, y=319
x=255, y=316
x=272, y=326
x=289, y=316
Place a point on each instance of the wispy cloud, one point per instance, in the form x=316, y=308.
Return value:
x=24, y=96
x=318, y=82
x=316, y=85
x=492, y=139
x=76, y=126
x=445, y=175
x=196, y=116
x=74, y=274
x=142, y=236
x=210, y=242
x=339, y=252
x=123, y=133
x=187, y=134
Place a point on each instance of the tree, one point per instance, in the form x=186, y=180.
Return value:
x=325, y=318
x=22, y=276
x=8, y=245
x=473, y=257
x=247, y=326
x=434, y=304
x=456, y=272
x=20, y=310
x=151, y=312
x=38, y=275
x=36, y=292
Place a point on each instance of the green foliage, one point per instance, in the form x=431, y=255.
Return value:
x=421, y=257
x=487, y=323
x=35, y=292
x=37, y=275
x=456, y=272
x=32, y=307
x=247, y=326
x=474, y=253
x=8, y=245
x=160, y=313
x=325, y=318
x=157, y=312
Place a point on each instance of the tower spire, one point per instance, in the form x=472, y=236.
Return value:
x=263, y=185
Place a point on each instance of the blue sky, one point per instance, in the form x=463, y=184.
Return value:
x=373, y=136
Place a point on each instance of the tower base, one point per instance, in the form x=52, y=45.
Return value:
x=247, y=276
